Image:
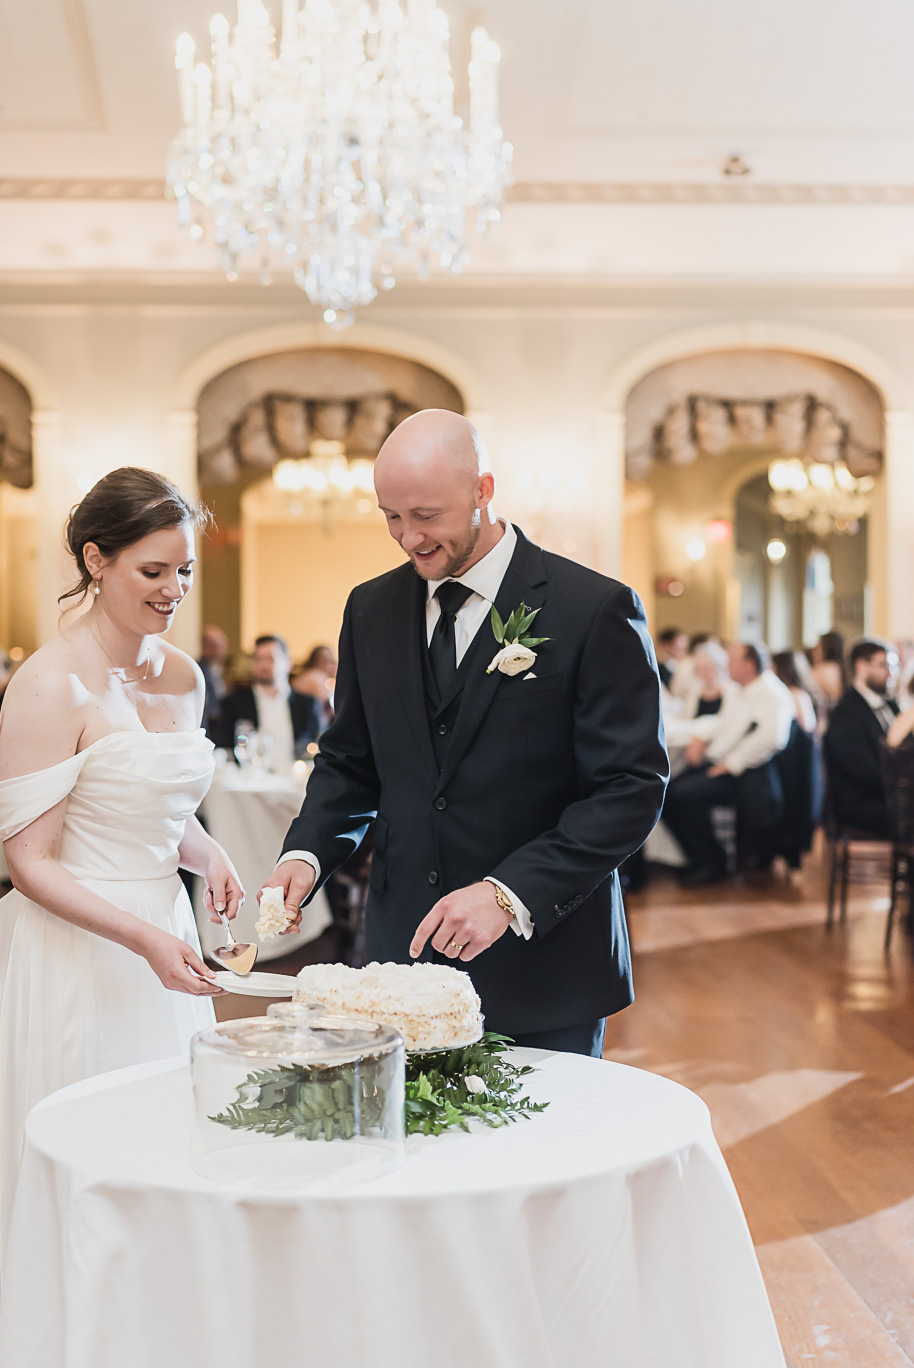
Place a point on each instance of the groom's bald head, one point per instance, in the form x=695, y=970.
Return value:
x=435, y=440
x=433, y=485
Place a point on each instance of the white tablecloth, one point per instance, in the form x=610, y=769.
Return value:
x=603, y=1233
x=661, y=846
x=249, y=812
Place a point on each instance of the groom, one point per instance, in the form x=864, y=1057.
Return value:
x=502, y=801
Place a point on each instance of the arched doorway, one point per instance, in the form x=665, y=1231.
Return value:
x=891, y=548
x=287, y=550
x=702, y=434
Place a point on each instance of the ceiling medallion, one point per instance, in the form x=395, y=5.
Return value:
x=337, y=154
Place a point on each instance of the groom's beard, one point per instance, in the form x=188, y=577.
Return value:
x=457, y=552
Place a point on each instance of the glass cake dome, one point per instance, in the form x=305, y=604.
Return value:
x=297, y=1099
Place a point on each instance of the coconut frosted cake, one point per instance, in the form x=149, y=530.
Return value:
x=433, y=1006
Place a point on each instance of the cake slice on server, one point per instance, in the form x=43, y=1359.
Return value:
x=432, y=1006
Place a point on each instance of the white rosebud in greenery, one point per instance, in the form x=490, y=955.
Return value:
x=513, y=659
x=474, y=1084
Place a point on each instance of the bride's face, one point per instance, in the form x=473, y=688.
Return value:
x=141, y=587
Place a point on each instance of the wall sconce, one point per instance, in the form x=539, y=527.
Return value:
x=695, y=549
x=776, y=550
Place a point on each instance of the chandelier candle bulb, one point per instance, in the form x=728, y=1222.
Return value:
x=184, y=61
x=219, y=33
x=289, y=48
x=203, y=85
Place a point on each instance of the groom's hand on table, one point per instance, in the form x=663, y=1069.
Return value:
x=462, y=924
x=296, y=879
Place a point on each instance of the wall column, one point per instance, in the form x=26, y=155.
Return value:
x=55, y=494
x=609, y=490
x=181, y=448
x=892, y=545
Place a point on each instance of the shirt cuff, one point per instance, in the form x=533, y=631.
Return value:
x=521, y=922
x=308, y=858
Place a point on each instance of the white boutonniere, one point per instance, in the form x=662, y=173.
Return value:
x=517, y=653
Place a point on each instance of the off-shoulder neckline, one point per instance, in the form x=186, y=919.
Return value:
x=141, y=731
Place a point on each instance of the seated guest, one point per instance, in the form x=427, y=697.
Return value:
x=791, y=668
x=753, y=725
x=856, y=731
x=672, y=644
x=711, y=682
x=213, y=655
x=828, y=674
x=684, y=678
x=318, y=678
x=271, y=707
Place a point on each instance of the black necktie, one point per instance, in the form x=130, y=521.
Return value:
x=442, y=649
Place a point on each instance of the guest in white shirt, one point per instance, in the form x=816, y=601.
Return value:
x=290, y=719
x=753, y=726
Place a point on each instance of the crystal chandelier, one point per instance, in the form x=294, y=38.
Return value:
x=826, y=497
x=337, y=156
x=325, y=474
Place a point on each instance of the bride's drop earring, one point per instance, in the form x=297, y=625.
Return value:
x=98, y=588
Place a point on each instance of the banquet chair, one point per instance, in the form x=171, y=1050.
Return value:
x=852, y=854
x=898, y=771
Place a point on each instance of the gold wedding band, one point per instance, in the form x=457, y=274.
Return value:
x=455, y=946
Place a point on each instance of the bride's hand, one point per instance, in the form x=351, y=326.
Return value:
x=178, y=966
x=223, y=888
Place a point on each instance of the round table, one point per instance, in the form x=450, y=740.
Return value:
x=603, y=1233
x=249, y=812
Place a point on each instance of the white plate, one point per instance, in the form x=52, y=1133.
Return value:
x=257, y=984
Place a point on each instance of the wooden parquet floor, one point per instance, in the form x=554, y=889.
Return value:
x=801, y=1042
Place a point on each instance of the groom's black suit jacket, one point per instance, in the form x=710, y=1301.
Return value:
x=547, y=784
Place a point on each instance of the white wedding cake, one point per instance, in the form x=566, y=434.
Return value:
x=433, y=1006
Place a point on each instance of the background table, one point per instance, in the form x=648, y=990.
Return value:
x=603, y=1233
x=248, y=812
x=661, y=846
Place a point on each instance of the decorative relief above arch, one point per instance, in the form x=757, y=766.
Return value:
x=276, y=407
x=738, y=400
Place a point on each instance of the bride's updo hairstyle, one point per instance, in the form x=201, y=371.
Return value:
x=119, y=511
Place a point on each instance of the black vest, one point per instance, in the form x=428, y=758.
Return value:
x=443, y=712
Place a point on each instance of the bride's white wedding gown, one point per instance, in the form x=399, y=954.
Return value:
x=73, y=1004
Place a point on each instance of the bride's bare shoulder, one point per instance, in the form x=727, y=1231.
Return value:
x=41, y=719
x=181, y=674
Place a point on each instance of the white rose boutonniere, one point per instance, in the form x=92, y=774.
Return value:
x=517, y=654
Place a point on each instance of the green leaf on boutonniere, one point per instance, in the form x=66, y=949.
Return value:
x=514, y=631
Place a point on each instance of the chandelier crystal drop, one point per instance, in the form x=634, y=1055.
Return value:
x=337, y=155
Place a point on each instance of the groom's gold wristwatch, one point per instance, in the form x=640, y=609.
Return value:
x=504, y=902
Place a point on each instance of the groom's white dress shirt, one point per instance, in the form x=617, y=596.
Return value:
x=484, y=578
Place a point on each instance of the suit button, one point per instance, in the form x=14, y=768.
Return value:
x=433, y=877
x=440, y=804
x=442, y=729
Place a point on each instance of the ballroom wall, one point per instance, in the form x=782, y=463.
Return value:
x=114, y=373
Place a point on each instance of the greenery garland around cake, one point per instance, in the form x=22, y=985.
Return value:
x=444, y=1091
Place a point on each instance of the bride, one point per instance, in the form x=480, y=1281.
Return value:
x=102, y=765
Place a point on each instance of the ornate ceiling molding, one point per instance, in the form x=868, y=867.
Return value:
x=525, y=192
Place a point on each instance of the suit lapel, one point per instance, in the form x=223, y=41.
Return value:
x=405, y=641
x=525, y=580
